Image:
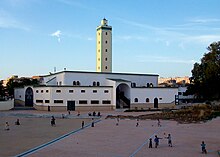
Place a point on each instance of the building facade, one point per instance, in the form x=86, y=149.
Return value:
x=100, y=90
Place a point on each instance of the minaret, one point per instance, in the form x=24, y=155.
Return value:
x=104, y=47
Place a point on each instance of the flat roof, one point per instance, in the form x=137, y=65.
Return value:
x=100, y=73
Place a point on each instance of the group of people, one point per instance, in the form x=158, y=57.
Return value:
x=17, y=122
x=94, y=114
x=156, y=141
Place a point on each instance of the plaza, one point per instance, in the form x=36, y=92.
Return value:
x=105, y=139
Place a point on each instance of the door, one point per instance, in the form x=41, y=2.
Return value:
x=70, y=105
x=29, y=97
x=155, y=103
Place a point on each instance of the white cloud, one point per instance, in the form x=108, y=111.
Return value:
x=57, y=34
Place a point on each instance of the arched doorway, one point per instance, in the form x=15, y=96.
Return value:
x=29, y=97
x=155, y=102
x=123, y=96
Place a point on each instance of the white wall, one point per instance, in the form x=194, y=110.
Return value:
x=167, y=94
x=76, y=95
x=19, y=94
x=6, y=105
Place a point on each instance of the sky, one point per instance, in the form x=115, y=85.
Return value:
x=164, y=37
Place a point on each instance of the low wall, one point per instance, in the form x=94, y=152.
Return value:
x=6, y=105
x=144, y=106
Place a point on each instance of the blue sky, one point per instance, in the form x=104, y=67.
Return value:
x=164, y=37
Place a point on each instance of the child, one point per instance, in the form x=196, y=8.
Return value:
x=203, y=145
x=169, y=140
x=6, y=126
x=156, y=140
x=17, y=122
x=150, y=143
x=137, y=124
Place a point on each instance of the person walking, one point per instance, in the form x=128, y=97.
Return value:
x=83, y=124
x=52, y=122
x=137, y=124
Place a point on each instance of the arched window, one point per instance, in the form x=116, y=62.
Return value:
x=147, y=100
x=94, y=83
x=151, y=85
x=106, y=67
x=98, y=84
x=78, y=83
x=74, y=83
x=148, y=85
x=136, y=100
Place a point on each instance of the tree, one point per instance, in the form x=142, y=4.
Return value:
x=205, y=80
x=16, y=83
x=1, y=89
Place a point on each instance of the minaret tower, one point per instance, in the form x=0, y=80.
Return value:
x=104, y=47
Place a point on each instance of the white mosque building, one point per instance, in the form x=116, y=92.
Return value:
x=100, y=90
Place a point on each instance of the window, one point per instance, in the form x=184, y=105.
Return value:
x=148, y=85
x=98, y=59
x=106, y=33
x=106, y=67
x=47, y=91
x=136, y=100
x=70, y=91
x=151, y=85
x=58, y=101
x=99, y=50
x=105, y=91
x=36, y=91
x=39, y=101
x=42, y=91
x=98, y=67
x=82, y=101
x=179, y=93
x=106, y=101
x=83, y=91
x=106, y=59
x=74, y=83
x=133, y=84
x=94, y=91
x=160, y=98
x=78, y=83
x=94, y=83
x=99, y=42
x=147, y=100
x=94, y=101
x=47, y=101
x=106, y=41
x=60, y=83
x=99, y=33
x=98, y=84
x=58, y=91
x=106, y=50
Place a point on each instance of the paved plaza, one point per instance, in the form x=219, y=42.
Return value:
x=105, y=139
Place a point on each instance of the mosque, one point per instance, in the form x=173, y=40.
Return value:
x=100, y=90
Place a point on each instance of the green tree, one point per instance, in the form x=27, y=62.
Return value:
x=205, y=80
x=1, y=89
x=15, y=83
